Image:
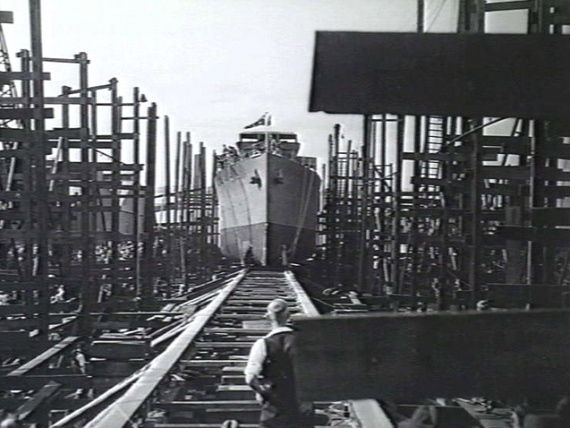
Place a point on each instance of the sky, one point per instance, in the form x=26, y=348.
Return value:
x=214, y=66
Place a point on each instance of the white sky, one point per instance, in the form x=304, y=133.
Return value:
x=213, y=66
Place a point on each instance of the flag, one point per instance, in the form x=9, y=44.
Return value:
x=263, y=120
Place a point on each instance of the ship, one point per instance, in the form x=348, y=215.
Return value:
x=268, y=199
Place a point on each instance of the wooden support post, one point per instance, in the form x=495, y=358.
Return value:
x=363, y=252
x=514, y=269
x=167, y=206
x=475, y=248
x=115, y=205
x=137, y=189
x=536, y=259
x=203, y=231
x=65, y=249
x=40, y=203
x=146, y=292
x=334, y=239
x=396, y=278
x=88, y=292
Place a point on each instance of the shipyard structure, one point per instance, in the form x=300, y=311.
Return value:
x=426, y=268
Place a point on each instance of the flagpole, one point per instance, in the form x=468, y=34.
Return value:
x=267, y=145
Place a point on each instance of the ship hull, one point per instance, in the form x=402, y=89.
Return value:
x=267, y=204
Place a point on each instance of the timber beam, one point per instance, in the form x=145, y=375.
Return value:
x=408, y=357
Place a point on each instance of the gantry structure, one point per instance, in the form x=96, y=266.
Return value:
x=451, y=210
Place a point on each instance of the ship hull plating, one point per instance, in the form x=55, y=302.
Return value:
x=267, y=203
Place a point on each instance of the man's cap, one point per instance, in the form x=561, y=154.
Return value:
x=483, y=304
x=276, y=306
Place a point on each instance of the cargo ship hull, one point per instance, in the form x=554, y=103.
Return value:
x=268, y=208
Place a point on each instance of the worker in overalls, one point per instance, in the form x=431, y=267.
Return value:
x=270, y=374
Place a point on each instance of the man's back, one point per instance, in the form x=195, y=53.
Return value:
x=278, y=367
x=270, y=373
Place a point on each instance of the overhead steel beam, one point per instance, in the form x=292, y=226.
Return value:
x=513, y=354
x=442, y=74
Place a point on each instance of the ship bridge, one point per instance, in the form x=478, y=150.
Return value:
x=268, y=139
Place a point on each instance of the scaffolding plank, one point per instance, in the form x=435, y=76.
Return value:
x=45, y=100
x=25, y=113
x=524, y=190
x=555, y=174
x=79, y=144
x=412, y=356
x=14, y=153
x=45, y=356
x=119, y=349
x=506, y=189
x=502, y=190
x=117, y=185
x=442, y=157
x=457, y=185
x=561, y=19
x=506, y=172
x=508, y=144
x=6, y=17
x=489, y=154
x=24, y=135
x=19, y=286
x=102, y=166
x=7, y=234
x=435, y=239
x=35, y=382
x=557, y=150
x=508, y=5
x=19, y=309
x=438, y=211
x=113, y=325
x=7, y=76
x=556, y=191
x=66, y=175
x=14, y=339
x=551, y=216
x=11, y=403
x=46, y=393
x=15, y=324
x=540, y=295
x=113, y=137
x=12, y=214
x=442, y=74
x=68, y=133
x=14, y=134
x=548, y=236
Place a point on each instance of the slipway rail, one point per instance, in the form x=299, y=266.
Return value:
x=197, y=380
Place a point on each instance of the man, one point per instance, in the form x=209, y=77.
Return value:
x=270, y=374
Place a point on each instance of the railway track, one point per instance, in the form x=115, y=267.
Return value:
x=197, y=380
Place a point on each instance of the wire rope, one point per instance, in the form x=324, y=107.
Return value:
x=305, y=200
